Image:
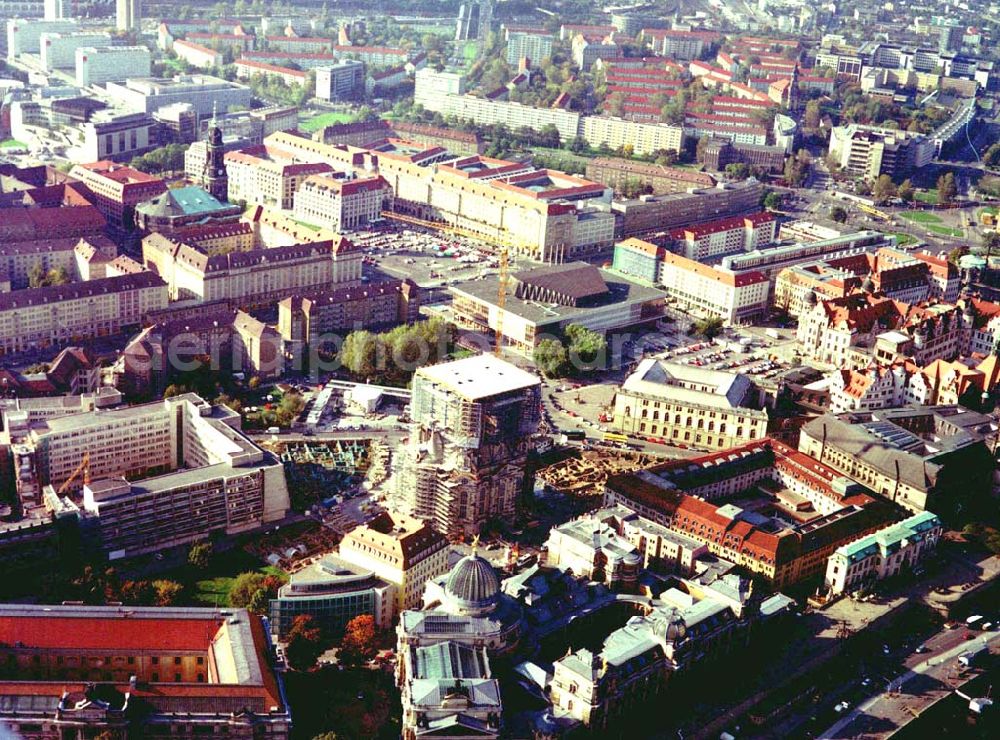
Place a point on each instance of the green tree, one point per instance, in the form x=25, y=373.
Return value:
x=200, y=555
x=304, y=643
x=946, y=188
x=586, y=346
x=551, y=358
x=708, y=327
x=36, y=275
x=811, y=117
x=884, y=189
x=738, y=170
x=991, y=243
x=905, y=191
x=245, y=587
x=838, y=214
x=773, y=201
x=173, y=390
x=358, y=645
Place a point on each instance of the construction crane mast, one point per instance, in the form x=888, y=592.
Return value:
x=83, y=467
x=501, y=300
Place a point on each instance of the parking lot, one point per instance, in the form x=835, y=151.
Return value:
x=429, y=258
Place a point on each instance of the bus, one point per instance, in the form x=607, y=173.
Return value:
x=615, y=437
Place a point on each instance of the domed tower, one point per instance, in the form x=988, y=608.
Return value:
x=472, y=587
x=670, y=631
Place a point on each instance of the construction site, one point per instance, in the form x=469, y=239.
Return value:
x=585, y=472
x=324, y=472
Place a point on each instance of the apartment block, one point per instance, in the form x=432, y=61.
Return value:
x=118, y=189
x=41, y=317
x=726, y=236
x=259, y=175
x=256, y=277
x=248, y=69
x=644, y=138
x=342, y=205
x=197, y=55
x=58, y=50
x=24, y=35
x=97, y=65
x=615, y=173
x=536, y=47
x=471, y=433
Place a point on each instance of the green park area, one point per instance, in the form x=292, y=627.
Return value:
x=920, y=217
x=317, y=123
x=927, y=196
x=12, y=144
x=213, y=587
x=903, y=239
x=559, y=159
x=930, y=222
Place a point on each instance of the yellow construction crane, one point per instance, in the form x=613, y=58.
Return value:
x=501, y=300
x=83, y=467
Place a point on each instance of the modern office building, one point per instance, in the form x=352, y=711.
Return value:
x=158, y=475
x=97, y=65
x=542, y=302
x=472, y=423
x=400, y=550
x=54, y=10
x=118, y=137
x=895, y=550
x=650, y=214
x=333, y=591
x=342, y=81
x=867, y=151
x=342, y=205
x=705, y=409
x=203, y=92
x=475, y=19
x=128, y=15
x=70, y=671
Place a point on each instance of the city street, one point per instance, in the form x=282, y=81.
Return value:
x=928, y=677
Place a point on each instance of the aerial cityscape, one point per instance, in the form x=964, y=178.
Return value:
x=482, y=369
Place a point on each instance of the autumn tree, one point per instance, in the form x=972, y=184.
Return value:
x=884, y=189
x=358, y=645
x=905, y=191
x=304, y=643
x=167, y=593
x=946, y=188
x=253, y=591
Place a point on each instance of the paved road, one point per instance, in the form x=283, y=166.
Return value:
x=928, y=678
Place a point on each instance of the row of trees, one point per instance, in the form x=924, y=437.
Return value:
x=98, y=585
x=169, y=158
x=390, y=358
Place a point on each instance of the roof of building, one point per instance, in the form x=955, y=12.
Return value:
x=479, y=376
x=688, y=384
x=890, y=539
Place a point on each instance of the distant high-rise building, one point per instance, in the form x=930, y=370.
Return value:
x=56, y=10
x=474, y=20
x=473, y=420
x=128, y=14
x=950, y=38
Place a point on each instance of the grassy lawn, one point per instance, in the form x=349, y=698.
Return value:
x=211, y=587
x=469, y=52
x=945, y=231
x=920, y=217
x=927, y=196
x=325, y=119
x=903, y=239
x=561, y=157
x=12, y=143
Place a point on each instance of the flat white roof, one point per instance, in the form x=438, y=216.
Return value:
x=479, y=376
